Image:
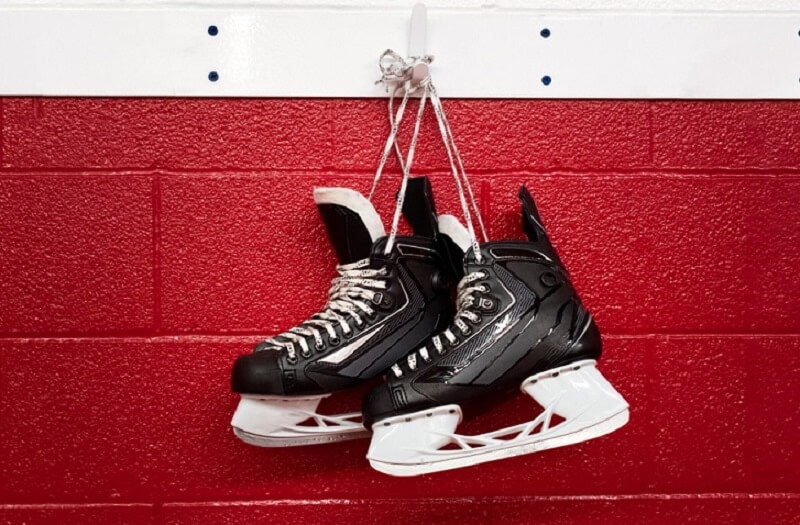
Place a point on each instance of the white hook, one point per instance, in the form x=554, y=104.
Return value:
x=419, y=30
x=400, y=73
x=416, y=42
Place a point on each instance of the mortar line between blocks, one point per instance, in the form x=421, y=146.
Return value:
x=239, y=337
x=2, y=134
x=651, y=134
x=754, y=172
x=158, y=506
x=157, y=322
x=394, y=501
x=95, y=505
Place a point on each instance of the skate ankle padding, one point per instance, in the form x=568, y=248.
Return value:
x=454, y=242
x=352, y=223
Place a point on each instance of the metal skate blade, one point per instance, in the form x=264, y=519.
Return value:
x=296, y=440
x=270, y=421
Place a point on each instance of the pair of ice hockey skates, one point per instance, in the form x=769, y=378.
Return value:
x=516, y=322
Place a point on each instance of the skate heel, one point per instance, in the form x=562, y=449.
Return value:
x=579, y=393
x=426, y=441
x=401, y=439
x=273, y=421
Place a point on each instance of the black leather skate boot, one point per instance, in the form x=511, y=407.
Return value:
x=519, y=324
x=381, y=306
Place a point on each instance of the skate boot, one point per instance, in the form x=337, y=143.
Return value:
x=519, y=324
x=381, y=306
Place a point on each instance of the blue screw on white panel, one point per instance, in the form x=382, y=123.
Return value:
x=546, y=80
x=545, y=33
x=213, y=30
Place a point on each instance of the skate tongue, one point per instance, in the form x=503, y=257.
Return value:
x=352, y=223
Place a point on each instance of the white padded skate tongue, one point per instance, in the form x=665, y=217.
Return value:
x=355, y=202
x=452, y=227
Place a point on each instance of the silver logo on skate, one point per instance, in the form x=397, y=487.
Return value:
x=343, y=353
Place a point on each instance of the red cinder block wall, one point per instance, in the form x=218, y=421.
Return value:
x=146, y=242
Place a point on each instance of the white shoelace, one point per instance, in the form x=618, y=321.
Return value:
x=396, y=75
x=468, y=306
x=351, y=292
x=349, y=299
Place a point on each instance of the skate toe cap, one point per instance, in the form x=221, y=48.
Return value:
x=258, y=373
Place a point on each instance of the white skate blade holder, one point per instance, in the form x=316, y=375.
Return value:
x=281, y=421
x=412, y=444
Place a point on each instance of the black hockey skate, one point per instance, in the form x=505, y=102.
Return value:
x=519, y=324
x=381, y=306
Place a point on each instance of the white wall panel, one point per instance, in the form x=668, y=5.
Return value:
x=144, y=49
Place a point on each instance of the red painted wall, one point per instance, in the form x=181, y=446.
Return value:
x=146, y=243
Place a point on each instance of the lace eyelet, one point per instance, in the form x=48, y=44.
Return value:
x=319, y=348
x=291, y=360
x=484, y=288
x=334, y=341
